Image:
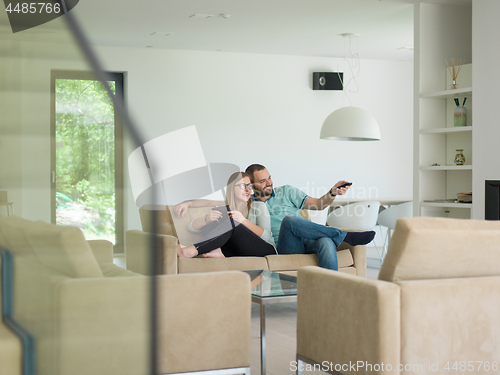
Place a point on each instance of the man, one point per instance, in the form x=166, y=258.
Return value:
x=298, y=235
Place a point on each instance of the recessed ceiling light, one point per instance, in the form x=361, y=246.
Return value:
x=200, y=15
x=403, y=48
x=348, y=35
x=160, y=33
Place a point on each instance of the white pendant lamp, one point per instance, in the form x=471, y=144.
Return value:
x=350, y=124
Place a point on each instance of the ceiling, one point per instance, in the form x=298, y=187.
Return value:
x=288, y=27
x=285, y=27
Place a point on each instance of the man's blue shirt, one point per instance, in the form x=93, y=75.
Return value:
x=284, y=200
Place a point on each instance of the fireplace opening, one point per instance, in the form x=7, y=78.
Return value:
x=492, y=200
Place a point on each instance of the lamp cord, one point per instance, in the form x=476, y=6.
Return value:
x=354, y=69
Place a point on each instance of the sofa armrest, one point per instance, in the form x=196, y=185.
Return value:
x=203, y=323
x=343, y=318
x=358, y=255
x=102, y=250
x=140, y=246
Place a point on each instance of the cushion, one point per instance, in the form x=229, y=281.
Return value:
x=63, y=249
x=435, y=248
x=169, y=223
x=290, y=262
x=181, y=225
x=194, y=265
x=164, y=219
x=12, y=236
x=112, y=270
x=349, y=270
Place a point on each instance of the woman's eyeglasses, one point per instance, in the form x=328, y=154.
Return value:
x=244, y=186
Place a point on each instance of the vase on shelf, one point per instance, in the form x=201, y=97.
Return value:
x=460, y=114
x=456, y=66
x=459, y=157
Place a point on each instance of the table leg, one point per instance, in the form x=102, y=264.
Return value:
x=386, y=245
x=263, y=339
x=300, y=366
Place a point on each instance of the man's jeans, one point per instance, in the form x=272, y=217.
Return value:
x=301, y=236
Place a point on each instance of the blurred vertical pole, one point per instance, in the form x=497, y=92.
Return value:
x=128, y=124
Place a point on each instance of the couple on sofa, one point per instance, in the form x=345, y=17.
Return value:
x=267, y=222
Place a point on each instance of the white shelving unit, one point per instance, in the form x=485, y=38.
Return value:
x=447, y=168
x=441, y=143
x=458, y=129
x=437, y=29
x=446, y=94
x=465, y=206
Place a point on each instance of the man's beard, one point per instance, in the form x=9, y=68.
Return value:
x=264, y=193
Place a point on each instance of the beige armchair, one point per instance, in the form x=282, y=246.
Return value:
x=10, y=352
x=10, y=349
x=90, y=316
x=435, y=308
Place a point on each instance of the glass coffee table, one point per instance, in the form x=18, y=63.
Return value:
x=270, y=288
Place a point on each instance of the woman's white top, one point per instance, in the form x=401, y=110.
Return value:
x=259, y=215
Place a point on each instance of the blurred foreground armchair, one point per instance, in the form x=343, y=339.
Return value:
x=90, y=316
x=435, y=306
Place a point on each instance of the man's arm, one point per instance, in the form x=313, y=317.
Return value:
x=327, y=199
x=181, y=208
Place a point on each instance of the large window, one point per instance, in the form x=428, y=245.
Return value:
x=87, y=157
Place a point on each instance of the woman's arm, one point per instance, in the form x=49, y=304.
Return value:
x=180, y=209
x=200, y=222
x=238, y=216
x=259, y=221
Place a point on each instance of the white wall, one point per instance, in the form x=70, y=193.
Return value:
x=247, y=109
x=10, y=123
x=25, y=67
x=486, y=122
x=35, y=78
x=261, y=109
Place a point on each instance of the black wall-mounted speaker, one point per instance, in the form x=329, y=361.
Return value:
x=327, y=81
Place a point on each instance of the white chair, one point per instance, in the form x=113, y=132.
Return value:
x=389, y=216
x=357, y=216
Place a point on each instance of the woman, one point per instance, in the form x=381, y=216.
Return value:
x=246, y=231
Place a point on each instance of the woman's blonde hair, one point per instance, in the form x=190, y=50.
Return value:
x=231, y=182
